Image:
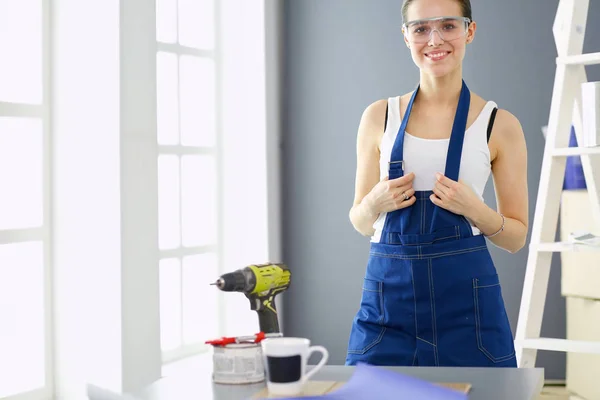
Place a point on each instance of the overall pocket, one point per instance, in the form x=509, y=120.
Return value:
x=371, y=303
x=368, y=328
x=494, y=337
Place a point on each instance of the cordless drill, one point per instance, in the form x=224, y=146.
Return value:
x=260, y=283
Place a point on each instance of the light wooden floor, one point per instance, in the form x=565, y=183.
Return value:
x=556, y=392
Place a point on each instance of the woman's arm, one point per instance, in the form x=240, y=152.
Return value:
x=509, y=169
x=372, y=195
x=369, y=135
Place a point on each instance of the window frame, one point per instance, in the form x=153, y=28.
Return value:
x=43, y=233
x=185, y=351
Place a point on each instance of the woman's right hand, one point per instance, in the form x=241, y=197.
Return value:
x=390, y=195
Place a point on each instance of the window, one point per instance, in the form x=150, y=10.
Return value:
x=25, y=337
x=188, y=173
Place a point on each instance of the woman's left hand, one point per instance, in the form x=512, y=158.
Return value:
x=454, y=196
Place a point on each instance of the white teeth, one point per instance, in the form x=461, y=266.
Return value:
x=439, y=54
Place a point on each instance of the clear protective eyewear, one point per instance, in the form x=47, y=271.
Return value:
x=448, y=28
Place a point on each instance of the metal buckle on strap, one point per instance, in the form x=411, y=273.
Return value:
x=397, y=162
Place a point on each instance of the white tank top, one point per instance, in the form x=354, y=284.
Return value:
x=425, y=157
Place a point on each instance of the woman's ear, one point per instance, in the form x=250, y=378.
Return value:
x=471, y=31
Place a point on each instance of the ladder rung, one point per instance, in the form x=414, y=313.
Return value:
x=576, y=151
x=558, y=247
x=564, y=345
x=580, y=59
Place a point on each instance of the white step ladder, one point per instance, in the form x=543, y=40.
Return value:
x=569, y=32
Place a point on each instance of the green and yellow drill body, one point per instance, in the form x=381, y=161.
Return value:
x=260, y=283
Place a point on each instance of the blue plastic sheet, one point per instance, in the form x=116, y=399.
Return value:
x=370, y=382
x=574, y=177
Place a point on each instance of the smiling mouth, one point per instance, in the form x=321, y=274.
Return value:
x=437, y=55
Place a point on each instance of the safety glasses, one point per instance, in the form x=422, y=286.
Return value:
x=448, y=28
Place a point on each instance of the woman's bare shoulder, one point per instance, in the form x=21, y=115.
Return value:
x=505, y=121
x=507, y=135
x=374, y=112
x=508, y=125
x=372, y=122
x=373, y=117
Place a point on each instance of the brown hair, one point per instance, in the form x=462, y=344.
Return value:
x=465, y=5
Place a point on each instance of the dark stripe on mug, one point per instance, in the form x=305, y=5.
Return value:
x=284, y=369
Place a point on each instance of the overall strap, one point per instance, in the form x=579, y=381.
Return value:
x=396, y=165
x=458, y=134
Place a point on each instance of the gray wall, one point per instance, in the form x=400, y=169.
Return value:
x=340, y=55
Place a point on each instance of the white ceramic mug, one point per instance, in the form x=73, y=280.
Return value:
x=285, y=364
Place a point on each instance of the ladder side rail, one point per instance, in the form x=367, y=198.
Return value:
x=569, y=19
x=545, y=218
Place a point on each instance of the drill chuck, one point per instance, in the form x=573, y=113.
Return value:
x=260, y=283
x=232, y=282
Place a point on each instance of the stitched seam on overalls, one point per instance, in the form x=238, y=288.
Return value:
x=423, y=215
x=433, y=255
x=445, y=237
x=426, y=341
x=382, y=317
x=483, y=286
x=467, y=224
x=392, y=240
x=415, y=356
x=370, y=346
x=478, y=329
x=433, y=317
x=431, y=242
x=412, y=277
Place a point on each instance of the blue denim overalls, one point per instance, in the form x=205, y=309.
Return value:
x=431, y=295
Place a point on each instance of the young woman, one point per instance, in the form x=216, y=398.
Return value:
x=431, y=295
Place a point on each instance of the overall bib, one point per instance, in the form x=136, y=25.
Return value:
x=431, y=295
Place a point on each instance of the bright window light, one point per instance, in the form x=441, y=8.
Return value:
x=197, y=23
x=22, y=360
x=200, y=309
x=167, y=98
x=166, y=21
x=169, y=227
x=170, y=303
x=21, y=73
x=198, y=112
x=199, y=200
x=21, y=173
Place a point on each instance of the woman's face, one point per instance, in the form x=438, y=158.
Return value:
x=437, y=46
